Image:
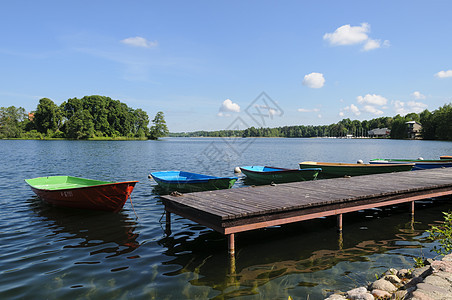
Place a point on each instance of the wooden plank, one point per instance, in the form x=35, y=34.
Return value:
x=333, y=209
x=262, y=223
x=246, y=206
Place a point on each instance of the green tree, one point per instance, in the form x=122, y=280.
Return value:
x=12, y=121
x=442, y=233
x=141, y=122
x=80, y=125
x=443, y=122
x=428, y=127
x=48, y=116
x=399, y=128
x=159, y=129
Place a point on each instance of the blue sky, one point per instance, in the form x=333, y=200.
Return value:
x=206, y=64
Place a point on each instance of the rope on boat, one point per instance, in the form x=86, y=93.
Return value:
x=130, y=197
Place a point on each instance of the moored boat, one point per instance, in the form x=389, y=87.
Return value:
x=265, y=174
x=191, y=182
x=82, y=193
x=446, y=157
x=332, y=170
x=419, y=164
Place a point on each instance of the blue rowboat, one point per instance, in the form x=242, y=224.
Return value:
x=265, y=174
x=191, y=182
x=419, y=164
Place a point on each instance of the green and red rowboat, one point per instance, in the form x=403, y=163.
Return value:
x=265, y=174
x=82, y=193
x=332, y=170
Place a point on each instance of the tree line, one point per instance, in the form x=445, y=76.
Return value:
x=89, y=117
x=436, y=125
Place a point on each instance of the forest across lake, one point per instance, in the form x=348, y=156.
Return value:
x=100, y=117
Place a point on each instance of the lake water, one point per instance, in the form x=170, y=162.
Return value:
x=55, y=253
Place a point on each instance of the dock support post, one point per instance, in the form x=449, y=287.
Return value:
x=339, y=222
x=340, y=241
x=232, y=266
x=231, y=249
x=339, y=229
x=231, y=244
x=168, y=223
x=412, y=215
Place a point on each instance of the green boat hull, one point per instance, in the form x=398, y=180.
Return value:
x=212, y=184
x=278, y=175
x=335, y=170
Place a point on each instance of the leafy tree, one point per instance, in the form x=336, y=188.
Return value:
x=11, y=121
x=428, y=127
x=141, y=122
x=48, y=116
x=443, y=122
x=159, y=129
x=399, y=128
x=80, y=125
x=443, y=235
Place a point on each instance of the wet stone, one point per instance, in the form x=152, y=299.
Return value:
x=384, y=285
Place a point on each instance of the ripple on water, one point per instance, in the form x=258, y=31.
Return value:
x=54, y=253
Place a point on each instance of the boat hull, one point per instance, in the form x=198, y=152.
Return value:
x=186, y=182
x=418, y=163
x=106, y=196
x=266, y=175
x=446, y=157
x=334, y=170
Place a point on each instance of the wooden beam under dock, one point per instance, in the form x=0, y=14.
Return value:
x=242, y=209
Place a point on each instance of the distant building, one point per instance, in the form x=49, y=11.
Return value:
x=31, y=116
x=379, y=133
x=414, y=130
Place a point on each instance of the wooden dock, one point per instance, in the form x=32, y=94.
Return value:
x=242, y=209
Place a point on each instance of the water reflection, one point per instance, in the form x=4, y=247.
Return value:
x=110, y=233
x=270, y=255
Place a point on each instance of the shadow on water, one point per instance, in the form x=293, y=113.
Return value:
x=273, y=254
x=88, y=228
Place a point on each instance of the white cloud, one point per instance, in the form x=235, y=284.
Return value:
x=139, y=41
x=417, y=107
x=403, y=108
x=228, y=106
x=353, y=109
x=308, y=110
x=341, y=114
x=352, y=35
x=444, y=74
x=319, y=116
x=348, y=35
x=372, y=99
x=417, y=95
x=371, y=44
x=314, y=80
x=371, y=109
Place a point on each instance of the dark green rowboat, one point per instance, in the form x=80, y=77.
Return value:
x=332, y=170
x=191, y=182
x=265, y=174
x=419, y=164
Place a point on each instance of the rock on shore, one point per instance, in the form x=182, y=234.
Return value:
x=432, y=282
